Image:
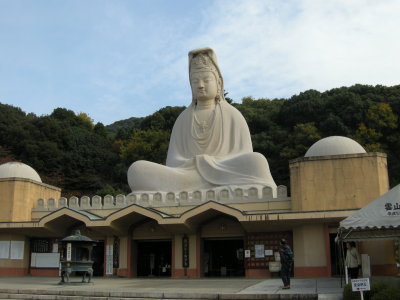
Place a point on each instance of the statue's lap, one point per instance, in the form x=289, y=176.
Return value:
x=235, y=170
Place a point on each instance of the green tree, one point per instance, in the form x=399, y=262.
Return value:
x=149, y=145
x=303, y=136
x=109, y=190
x=84, y=117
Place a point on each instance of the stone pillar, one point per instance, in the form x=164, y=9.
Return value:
x=124, y=256
x=193, y=271
x=310, y=253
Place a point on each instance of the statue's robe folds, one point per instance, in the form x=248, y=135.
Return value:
x=222, y=156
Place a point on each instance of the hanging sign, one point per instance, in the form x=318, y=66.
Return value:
x=185, y=252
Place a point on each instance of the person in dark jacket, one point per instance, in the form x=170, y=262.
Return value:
x=286, y=263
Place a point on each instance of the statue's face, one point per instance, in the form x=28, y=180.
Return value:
x=204, y=85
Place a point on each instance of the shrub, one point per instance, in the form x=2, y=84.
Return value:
x=348, y=294
x=389, y=293
x=376, y=288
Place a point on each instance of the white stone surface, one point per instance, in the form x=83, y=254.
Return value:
x=334, y=145
x=230, y=195
x=40, y=205
x=108, y=201
x=97, y=202
x=18, y=170
x=85, y=202
x=62, y=202
x=73, y=202
x=120, y=201
x=131, y=199
x=51, y=204
x=210, y=144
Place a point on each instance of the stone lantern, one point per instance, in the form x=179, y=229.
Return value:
x=76, y=257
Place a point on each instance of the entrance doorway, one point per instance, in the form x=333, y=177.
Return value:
x=223, y=257
x=97, y=256
x=335, y=255
x=98, y=259
x=154, y=258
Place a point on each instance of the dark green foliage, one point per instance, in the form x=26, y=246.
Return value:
x=163, y=119
x=69, y=152
x=109, y=190
x=62, y=147
x=348, y=294
x=390, y=293
x=124, y=125
x=149, y=145
x=100, y=129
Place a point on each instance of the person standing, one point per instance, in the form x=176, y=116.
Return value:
x=286, y=263
x=353, y=260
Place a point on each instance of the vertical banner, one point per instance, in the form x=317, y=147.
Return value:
x=109, y=259
x=69, y=250
x=185, y=252
x=116, y=252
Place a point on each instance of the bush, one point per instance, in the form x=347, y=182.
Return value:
x=377, y=287
x=389, y=293
x=348, y=294
x=109, y=190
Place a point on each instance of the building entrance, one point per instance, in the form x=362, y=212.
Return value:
x=223, y=257
x=98, y=259
x=154, y=258
x=335, y=255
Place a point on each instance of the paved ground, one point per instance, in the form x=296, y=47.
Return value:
x=216, y=288
x=326, y=288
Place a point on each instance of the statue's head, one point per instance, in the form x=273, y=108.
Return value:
x=203, y=70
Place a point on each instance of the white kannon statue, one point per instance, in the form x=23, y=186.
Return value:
x=210, y=145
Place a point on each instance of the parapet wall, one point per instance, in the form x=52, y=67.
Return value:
x=165, y=199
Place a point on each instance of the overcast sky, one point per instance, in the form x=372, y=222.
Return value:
x=128, y=58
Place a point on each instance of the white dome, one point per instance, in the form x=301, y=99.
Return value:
x=19, y=170
x=334, y=145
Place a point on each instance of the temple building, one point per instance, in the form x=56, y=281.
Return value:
x=220, y=232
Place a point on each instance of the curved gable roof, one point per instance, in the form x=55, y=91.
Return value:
x=79, y=215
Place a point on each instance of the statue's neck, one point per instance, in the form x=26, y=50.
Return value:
x=205, y=104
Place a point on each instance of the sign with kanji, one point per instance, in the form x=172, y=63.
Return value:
x=360, y=284
x=69, y=251
x=392, y=209
x=185, y=252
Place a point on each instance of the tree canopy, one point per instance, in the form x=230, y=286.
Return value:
x=70, y=151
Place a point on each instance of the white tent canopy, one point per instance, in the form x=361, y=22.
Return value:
x=379, y=219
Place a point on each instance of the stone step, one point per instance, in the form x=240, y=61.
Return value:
x=65, y=297
x=9, y=296
x=16, y=296
x=131, y=295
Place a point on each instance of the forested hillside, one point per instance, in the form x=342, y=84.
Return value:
x=69, y=151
